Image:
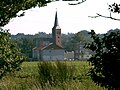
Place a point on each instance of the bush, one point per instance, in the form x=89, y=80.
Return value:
x=10, y=55
x=106, y=60
x=46, y=71
x=65, y=71
x=55, y=73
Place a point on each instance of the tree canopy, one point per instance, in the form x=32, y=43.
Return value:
x=10, y=8
x=106, y=60
x=10, y=55
x=113, y=8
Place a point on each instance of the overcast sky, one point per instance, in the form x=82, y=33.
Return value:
x=71, y=18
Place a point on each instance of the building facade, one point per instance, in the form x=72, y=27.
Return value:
x=81, y=53
x=51, y=51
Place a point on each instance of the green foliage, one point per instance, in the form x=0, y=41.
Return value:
x=56, y=73
x=26, y=45
x=80, y=37
x=27, y=79
x=45, y=70
x=65, y=71
x=106, y=60
x=10, y=8
x=10, y=56
x=115, y=8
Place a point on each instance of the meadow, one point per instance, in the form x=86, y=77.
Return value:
x=29, y=77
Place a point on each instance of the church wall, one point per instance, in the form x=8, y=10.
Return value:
x=36, y=54
x=53, y=54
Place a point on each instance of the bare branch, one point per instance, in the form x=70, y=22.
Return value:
x=99, y=15
x=77, y=3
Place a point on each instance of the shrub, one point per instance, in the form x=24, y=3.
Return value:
x=65, y=71
x=55, y=73
x=46, y=71
x=10, y=55
x=106, y=60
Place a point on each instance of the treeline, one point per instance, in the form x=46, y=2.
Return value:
x=28, y=42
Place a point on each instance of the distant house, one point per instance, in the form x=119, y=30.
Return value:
x=69, y=55
x=51, y=51
x=81, y=53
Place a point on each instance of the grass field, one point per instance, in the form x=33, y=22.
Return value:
x=27, y=79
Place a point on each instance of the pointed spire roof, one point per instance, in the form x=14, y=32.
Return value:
x=56, y=25
x=56, y=20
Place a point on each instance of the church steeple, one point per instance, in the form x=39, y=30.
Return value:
x=56, y=32
x=56, y=20
x=56, y=24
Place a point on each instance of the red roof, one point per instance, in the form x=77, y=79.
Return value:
x=40, y=47
x=50, y=46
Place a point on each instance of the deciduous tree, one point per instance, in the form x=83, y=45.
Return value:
x=10, y=55
x=106, y=60
x=10, y=8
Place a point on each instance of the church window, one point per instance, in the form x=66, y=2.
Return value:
x=58, y=32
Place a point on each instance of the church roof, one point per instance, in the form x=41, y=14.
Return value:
x=39, y=47
x=52, y=46
x=56, y=20
x=56, y=24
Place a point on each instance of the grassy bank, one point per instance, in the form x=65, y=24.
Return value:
x=28, y=79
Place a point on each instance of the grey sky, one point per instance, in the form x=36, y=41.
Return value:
x=70, y=18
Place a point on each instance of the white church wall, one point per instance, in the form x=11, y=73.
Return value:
x=35, y=54
x=53, y=54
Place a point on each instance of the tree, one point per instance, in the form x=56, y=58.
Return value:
x=114, y=8
x=81, y=38
x=106, y=60
x=26, y=45
x=10, y=55
x=10, y=8
x=79, y=2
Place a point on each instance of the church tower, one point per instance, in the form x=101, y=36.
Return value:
x=56, y=32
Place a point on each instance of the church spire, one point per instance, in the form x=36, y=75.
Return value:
x=56, y=24
x=56, y=20
x=56, y=32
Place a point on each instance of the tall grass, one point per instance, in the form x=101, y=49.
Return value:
x=28, y=78
x=56, y=73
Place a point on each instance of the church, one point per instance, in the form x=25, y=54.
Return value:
x=51, y=51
